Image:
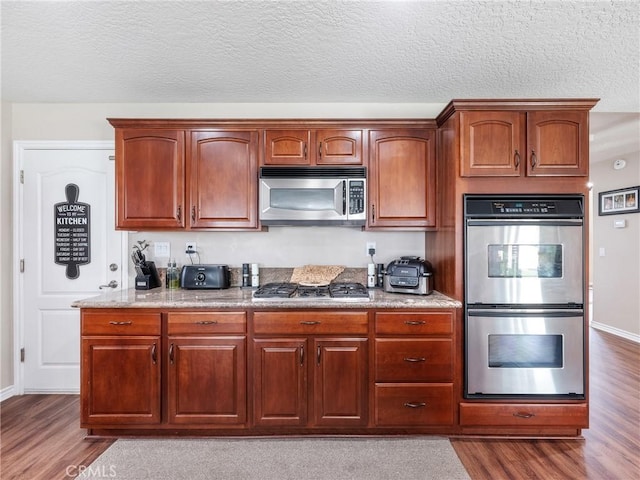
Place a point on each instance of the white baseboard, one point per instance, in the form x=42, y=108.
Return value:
x=53, y=391
x=7, y=392
x=616, y=331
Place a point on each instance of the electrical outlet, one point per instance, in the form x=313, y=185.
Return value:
x=371, y=246
x=190, y=247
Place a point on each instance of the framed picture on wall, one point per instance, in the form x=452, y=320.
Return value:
x=615, y=202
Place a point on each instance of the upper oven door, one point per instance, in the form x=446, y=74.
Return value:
x=524, y=262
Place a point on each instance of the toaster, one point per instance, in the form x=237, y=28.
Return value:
x=203, y=277
x=409, y=275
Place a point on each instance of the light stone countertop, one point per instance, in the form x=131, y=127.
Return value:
x=236, y=297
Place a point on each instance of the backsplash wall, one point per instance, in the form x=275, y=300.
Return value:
x=284, y=246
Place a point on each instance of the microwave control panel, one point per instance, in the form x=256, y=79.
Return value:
x=356, y=196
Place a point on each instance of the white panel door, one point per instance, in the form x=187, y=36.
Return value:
x=70, y=250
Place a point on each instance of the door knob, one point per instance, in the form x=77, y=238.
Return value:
x=111, y=284
x=113, y=267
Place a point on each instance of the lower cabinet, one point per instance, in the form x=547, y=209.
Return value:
x=129, y=370
x=120, y=373
x=313, y=379
x=414, y=359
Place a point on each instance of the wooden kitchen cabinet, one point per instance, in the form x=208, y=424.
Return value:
x=174, y=178
x=223, y=172
x=206, y=360
x=313, y=147
x=517, y=143
x=414, y=369
x=402, y=178
x=288, y=366
x=150, y=178
x=121, y=364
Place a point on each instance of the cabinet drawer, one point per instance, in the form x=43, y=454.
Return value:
x=184, y=323
x=411, y=323
x=110, y=323
x=524, y=415
x=413, y=360
x=310, y=323
x=402, y=404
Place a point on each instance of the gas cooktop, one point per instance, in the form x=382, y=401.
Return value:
x=343, y=291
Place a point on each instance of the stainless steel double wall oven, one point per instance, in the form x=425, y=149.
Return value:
x=524, y=296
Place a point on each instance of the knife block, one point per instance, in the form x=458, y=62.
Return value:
x=149, y=278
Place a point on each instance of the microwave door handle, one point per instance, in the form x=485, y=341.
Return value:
x=344, y=197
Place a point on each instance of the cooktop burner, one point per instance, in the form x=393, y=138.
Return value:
x=338, y=291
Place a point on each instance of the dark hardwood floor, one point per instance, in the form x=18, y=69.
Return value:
x=41, y=438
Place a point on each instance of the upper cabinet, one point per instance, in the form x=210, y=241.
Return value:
x=173, y=178
x=150, y=178
x=524, y=138
x=223, y=179
x=313, y=147
x=402, y=178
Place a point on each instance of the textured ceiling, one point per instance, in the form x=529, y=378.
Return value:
x=320, y=51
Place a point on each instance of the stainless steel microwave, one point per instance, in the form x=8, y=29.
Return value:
x=313, y=196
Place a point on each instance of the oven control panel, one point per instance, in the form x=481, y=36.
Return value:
x=563, y=206
x=523, y=207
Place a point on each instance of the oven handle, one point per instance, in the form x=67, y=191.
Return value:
x=521, y=312
x=568, y=222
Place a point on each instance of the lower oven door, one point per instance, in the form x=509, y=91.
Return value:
x=524, y=352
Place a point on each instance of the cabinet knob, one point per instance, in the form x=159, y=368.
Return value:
x=415, y=404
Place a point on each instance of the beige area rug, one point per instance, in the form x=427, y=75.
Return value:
x=415, y=458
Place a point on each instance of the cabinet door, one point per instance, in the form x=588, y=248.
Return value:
x=340, y=382
x=223, y=176
x=207, y=380
x=402, y=178
x=339, y=147
x=289, y=147
x=558, y=143
x=120, y=381
x=280, y=381
x=492, y=144
x=150, y=179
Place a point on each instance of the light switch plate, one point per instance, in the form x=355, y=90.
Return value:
x=161, y=249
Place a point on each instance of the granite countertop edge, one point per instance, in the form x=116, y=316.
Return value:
x=236, y=297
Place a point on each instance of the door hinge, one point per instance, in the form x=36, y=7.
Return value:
x=22, y=354
x=22, y=265
x=22, y=177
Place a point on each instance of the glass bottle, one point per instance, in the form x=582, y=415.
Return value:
x=173, y=280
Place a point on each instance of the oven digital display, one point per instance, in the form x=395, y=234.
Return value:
x=524, y=261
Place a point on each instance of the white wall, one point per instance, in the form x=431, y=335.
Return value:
x=6, y=292
x=277, y=248
x=616, y=271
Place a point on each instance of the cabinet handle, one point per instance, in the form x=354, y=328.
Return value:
x=534, y=159
x=305, y=151
x=373, y=213
x=179, y=212
x=523, y=415
x=171, y=354
x=415, y=404
x=301, y=355
x=128, y=322
x=415, y=359
x=320, y=150
x=309, y=322
x=193, y=213
x=318, y=354
x=414, y=322
x=516, y=159
x=154, y=354
x=206, y=322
